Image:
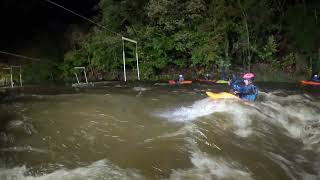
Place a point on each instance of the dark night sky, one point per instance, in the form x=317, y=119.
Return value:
x=31, y=27
x=27, y=23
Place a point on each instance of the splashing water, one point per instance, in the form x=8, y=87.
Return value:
x=98, y=170
x=239, y=113
x=206, y=167
x=297, y=114
x=138, y=137
x=198, y=109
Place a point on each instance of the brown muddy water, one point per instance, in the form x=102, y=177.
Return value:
x=143, y=131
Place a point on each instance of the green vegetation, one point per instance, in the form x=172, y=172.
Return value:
x=196, y=36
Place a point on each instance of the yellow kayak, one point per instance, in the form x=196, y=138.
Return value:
x=221, y=82
x=223, y=95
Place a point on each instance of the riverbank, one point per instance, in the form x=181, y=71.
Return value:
x=263, y=72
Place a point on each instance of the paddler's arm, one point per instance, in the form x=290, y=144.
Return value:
x=232, y=80
x=232, y=83
x=242, y=89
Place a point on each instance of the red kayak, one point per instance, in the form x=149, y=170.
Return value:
x=310, y=83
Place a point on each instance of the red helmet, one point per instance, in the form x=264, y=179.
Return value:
x=248, y=76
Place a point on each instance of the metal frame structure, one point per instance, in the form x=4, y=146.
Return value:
x=11, y=68
x=124, y=57
x=84, y=71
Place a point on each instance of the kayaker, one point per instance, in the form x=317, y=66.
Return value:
x=207, y=77
x=315, y=78
x=247, y=91
x=181, y=78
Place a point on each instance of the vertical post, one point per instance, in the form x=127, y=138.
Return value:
x=311, y=67
x=20, y=77
x=137, y=61
x=124, y=57
x=77, y=78
x=124, y=62
x=315, y=15
x=318, y=68
x=11, y=78
x=85, y=75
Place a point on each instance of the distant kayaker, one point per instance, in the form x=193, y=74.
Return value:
x=247, y=91
x=207, y=76
x=181, y=78
x=315, y=78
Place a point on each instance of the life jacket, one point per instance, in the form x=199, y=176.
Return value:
x=252, y=95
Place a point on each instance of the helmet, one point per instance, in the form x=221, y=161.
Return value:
x=180, y=75
x=248, y=76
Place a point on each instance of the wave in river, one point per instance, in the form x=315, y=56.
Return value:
x=298, y=115
x=98, y=170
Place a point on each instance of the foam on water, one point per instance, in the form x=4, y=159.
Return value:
x=98, y=170
x=297, y=114
x=197, y=109
x=291, y=169
x=23, y=149
x=138, y=88
x=205, y=166
x=239, y=113
x=208, y=167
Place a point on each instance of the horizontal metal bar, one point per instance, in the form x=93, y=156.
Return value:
x=127, y=39
x=79, y=67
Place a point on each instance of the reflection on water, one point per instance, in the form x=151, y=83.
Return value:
x=152, y=132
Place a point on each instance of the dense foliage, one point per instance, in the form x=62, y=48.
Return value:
x=195, y=36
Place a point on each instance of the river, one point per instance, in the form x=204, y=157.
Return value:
x=143, y=131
